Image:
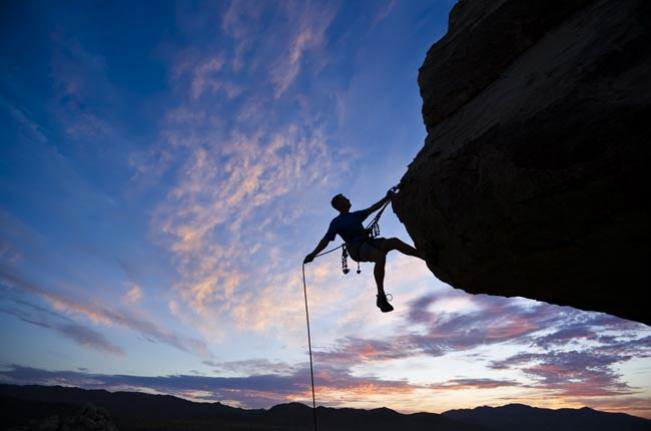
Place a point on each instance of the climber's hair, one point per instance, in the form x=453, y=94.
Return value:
x=335, y=201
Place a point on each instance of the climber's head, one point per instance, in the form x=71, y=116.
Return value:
x=340, y=203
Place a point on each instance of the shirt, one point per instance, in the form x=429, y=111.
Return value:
x=349, y=227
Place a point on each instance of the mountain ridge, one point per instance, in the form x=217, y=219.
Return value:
x=137, y=411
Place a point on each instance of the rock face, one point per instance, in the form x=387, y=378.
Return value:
x=534, y=178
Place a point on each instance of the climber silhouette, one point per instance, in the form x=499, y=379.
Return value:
x=360, y=245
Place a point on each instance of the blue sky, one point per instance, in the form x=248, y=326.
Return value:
x=165, y=167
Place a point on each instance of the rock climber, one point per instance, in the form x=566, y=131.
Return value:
x=360, y=245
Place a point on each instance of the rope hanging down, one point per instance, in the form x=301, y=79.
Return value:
x=309, y=345
x=373, y=230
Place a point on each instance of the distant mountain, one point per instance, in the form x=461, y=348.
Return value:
x=133, y=411
x=518, y=417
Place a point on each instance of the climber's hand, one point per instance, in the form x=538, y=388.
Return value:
x=309, y=258
x=390, y=195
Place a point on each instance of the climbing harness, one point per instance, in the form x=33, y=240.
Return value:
x=373, y=230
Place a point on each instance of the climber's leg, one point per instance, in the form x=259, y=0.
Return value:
x=396, y=244
x=378, y=272
x=370, y=253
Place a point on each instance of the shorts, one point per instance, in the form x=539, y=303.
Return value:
x=364, y=251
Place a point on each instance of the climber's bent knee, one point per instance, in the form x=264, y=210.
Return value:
x=389, y=244
x=369, y=251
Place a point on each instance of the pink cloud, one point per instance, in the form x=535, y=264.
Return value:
x=103, y=314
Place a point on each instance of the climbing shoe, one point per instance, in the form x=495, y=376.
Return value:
x=383, y=304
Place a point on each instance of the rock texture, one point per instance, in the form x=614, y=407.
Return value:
x=534, y=178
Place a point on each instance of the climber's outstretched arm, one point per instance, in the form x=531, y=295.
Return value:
x=376, y=206
x=319, y=248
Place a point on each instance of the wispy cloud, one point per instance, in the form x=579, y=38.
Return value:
x=30, y=129
x=572, y=373
x=383, y=13
x=217, y=217
x=299, y=28
x=79, y=81
x=133, y=295
x=80, y=334
x=434, y=330
x=240, y=168
x=85, y=336
x=571, y=354
x=469, y=384
x=252, y=391
x=103, y=314
x=308, y=22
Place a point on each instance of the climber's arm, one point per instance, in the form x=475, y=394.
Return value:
x=319, y=248
x=376, y=206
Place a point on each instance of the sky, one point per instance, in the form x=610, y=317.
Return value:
x=164, y=169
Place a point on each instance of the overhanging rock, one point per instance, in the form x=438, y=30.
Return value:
x=534, y=178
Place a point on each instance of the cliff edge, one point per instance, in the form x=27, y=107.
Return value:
x=534, y=178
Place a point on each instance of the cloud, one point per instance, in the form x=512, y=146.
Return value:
x=225, y=189
x=589, y=372
x=638, y=406
x=254, y=391
x=241, y=21
x=82, y=92
x=436, y=325
x=383, y=13
x=468, y=384
x=238, y=189
x=309, y=22
x=571, y=373
x=493, y=320
x=351, y=350
x=204, y=76
x=281, y=42
x=102, y=314
x=251, y=367
x=81, y=335
x=566, y=335
x=133, y=295
x=30, y=129
x=87, y=337
x=571, y=354
x=579, y=357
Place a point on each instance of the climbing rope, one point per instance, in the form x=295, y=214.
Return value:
x=309, y=345
x=309, y=334
x=373, y=229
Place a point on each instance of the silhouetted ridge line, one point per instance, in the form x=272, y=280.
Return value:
x=133, y=411
x=513, y=417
